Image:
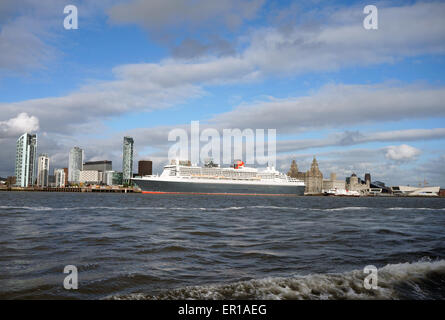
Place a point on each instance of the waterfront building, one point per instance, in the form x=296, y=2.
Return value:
x=66, y=176
x=103, y=165
x=416, y=191
x=11, y=180
x=377, y=187
x=145, y=168
x=108, y=177
x=51, y=181
x=112, y=178
x=117, y=178
x=25, y=170
x=368, y=179
x=60, y=175
x=127, y=160
x=294, y=173
x=75, y=164
x=333, y=183
x=313, y=179
x=43, y=170
x=354, y=183
x=90, y=177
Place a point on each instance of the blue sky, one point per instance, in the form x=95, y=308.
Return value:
x=309, y=70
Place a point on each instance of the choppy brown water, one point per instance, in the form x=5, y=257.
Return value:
x=216, y=247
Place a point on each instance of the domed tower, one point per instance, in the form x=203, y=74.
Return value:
x=293, y=172
x=314, y=178
x=353, y=184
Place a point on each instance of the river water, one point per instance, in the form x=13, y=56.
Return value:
x=134, y=246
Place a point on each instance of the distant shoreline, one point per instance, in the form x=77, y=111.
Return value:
x=73, y=189
x=136, y=190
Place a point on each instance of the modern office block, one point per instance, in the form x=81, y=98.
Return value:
x=60, y=175
x=145, y=168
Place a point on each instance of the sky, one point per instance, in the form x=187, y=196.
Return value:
x=359, y=100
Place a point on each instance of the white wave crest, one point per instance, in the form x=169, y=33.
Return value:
x=40, y=208
x=347, y=285
x=405, y=208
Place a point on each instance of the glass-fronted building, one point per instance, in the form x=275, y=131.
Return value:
x=25, y=159
x=127, y=159
x=75, y=164
x=116, y=179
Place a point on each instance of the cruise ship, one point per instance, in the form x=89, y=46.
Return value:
x=183, y=178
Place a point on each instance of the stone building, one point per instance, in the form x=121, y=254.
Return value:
x=313, y=179
x=356, y=184
x=333, y=183
x=294, y=173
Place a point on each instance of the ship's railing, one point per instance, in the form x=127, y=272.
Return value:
x=290, y=179
x=227, y=174
x=203, y=176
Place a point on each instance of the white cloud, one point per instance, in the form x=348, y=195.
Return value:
x=101, y=101
x=338, y=105
x=328, y=40
x=21, y=47
x=403, y=152
x=433, y=171
x=333, y=106
x=30, y=32
x=341, y=41
x=190, y=28
x=348, y=138
x=18, y=125
x=158, y=15
x=150, y=86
